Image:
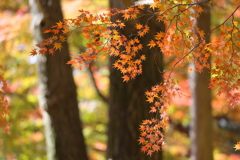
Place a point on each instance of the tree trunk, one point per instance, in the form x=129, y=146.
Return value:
x=58, y=96
x=127, y=101
x=200, y=110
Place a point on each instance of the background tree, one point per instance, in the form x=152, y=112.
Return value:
x=127, y=102
x=58, y=96
x=201, y=122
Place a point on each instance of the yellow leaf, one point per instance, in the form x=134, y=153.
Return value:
x=237, y=146
x=235, y=23
x=153, y=5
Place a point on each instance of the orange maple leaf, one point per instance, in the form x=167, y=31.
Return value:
x=153, y=110
x=152, y=44
x=55, y=31
x=57, y=45
x=47, y=31
x=142, y=128
x=126, y=16
x=126, y=78
x=150, y=99
x=121, y=25
x=59, y=24
x=143, y=57
x=139, y=26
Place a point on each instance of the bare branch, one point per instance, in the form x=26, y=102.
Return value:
x=104, y=98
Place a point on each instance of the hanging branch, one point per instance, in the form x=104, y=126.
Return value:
x=104, y=98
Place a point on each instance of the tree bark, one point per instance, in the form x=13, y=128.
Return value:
x=200, y=110
x=127, y=101
x=58, y=96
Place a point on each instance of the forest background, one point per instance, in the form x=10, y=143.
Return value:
x=27, y=140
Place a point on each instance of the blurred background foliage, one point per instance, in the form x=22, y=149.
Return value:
x=27, y=142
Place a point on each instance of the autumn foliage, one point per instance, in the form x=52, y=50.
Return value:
x=182, y=40
x=4, y=105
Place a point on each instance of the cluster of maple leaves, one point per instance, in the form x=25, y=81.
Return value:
x=182, y=39
x=4, y=105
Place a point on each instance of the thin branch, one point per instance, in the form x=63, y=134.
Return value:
x=201, y=41
x=104, y=98
x=22, y=97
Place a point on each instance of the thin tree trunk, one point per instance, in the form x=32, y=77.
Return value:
x=58, y=96
x=127, y=101
x=201, y=111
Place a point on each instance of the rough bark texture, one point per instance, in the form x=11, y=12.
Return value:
x=201, y=111
x=58, y=96
x=127, y=102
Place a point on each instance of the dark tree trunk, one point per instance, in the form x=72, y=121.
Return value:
x=201, y=111
x=58, y=96
x=127, y=102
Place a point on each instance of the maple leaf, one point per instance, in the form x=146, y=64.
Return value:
x=235, y=23
x=144, y=149
x=139, y=26
x=126, y=78
x=150, y=99
x=153, y=5
x=33, y=52
x=57, y=45
x=51, y=51
x=148, y=145
x=126, y=16
x=59, y=24
x=143, y=57
x=55, y=31
x=47, y=31
x=141, y=7
x=199, y=9
x=152, y=44
x=146, y=29
x=121, y=25
x=150, y=152
x=62, y=38
x=141, y=140
x=153, y=110
x=142, y=128
x=159, y=35
x=237, y=146
x=144, y=134
x=43, y=50
x=156, y=147
x=134, y=16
